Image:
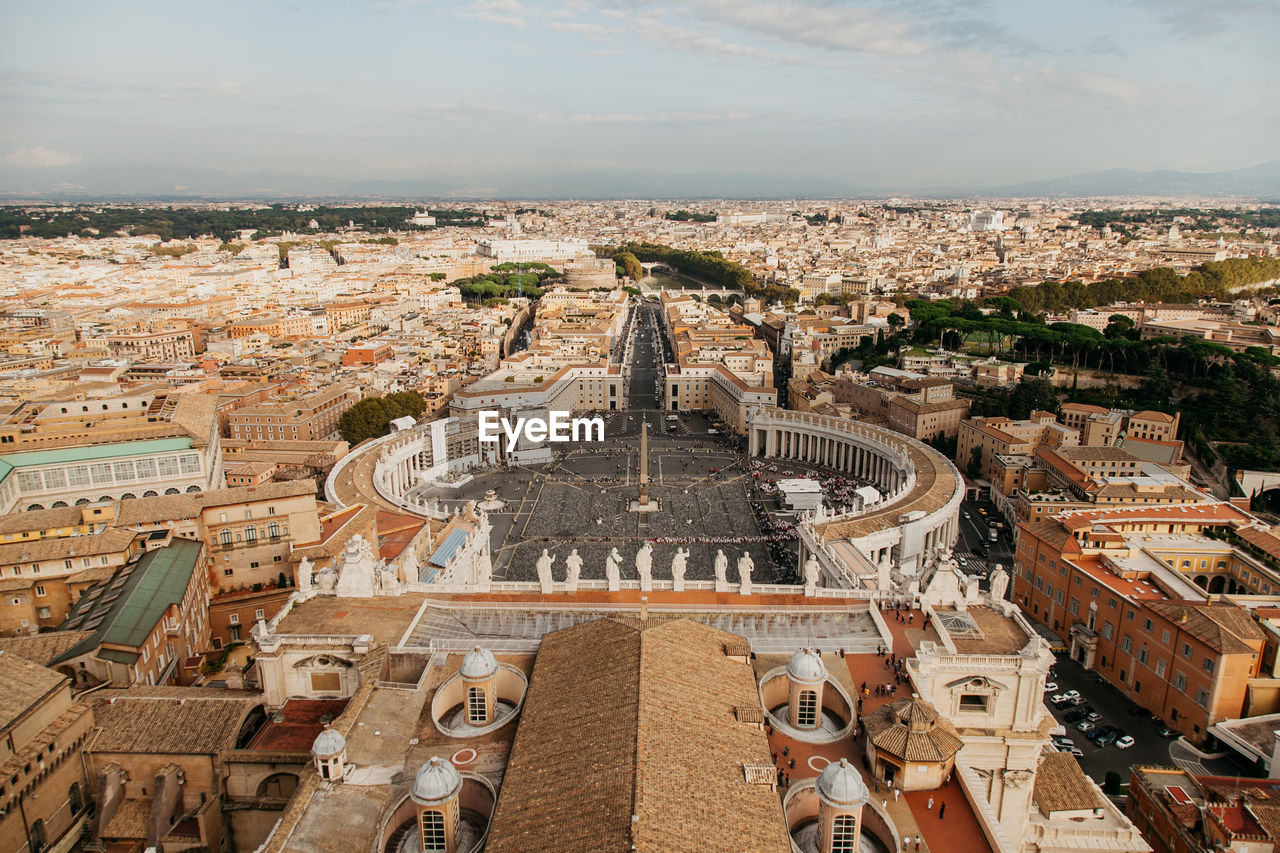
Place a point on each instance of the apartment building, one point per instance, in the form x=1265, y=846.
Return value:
x=922, y=407
x=147, y=623
x=309, y=417
x=1105, y=427
x=1129, y=591
x=167, y=344
x=981, y=441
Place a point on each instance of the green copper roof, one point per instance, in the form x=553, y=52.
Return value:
x=124, y=609
x=90, y=452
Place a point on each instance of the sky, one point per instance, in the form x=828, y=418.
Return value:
x=887, y=94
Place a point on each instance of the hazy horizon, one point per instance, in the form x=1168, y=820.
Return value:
x=475, y=98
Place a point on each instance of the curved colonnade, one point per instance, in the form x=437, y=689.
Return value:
x=869, y=548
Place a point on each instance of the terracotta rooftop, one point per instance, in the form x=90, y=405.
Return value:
x=658, y=741
x=1222, y=627
x=190, y=721
x=25, y=685
x=1061, y=786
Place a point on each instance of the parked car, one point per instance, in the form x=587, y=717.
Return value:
x=1066, y=697
x=1093, y=716
x=1100, y=731
x=1165, y=731
x=1074, y=750
x=1063, y=741
x=1051, y=687
x=1086, y=727
x=1077, y=700
x=1124, y=742
x=1073, y=716
x=1072, y=694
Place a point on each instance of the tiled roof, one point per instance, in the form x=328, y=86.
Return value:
x=249, y=494
x=1061, y=786
x=110, y=541
x=196, y=721
x=911, y=729
x=42, y=648
x=625, y=720
x=25, y=684
x=1222, y=627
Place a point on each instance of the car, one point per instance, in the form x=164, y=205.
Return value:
x=1073, y=716
x=1086, y=727
x=1051, y=687
x=966, y=515
x=1074, y=750
x=1063, y=741
x=962, y=561
x=1165, y=731
x=1078, y=700
x=1124, y=742
x=1093, y=716
x=1072, y=694
x=1098, y=731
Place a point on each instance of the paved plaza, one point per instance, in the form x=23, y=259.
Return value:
x=704, y=495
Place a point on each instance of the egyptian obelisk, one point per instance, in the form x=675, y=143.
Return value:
x=643, y=504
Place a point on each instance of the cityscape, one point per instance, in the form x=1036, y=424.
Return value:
x=527, y=445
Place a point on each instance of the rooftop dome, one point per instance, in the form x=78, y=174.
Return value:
x=806, y=667
x=328, y=743
x=841, y=785
x=436, y=782
x=478, y=663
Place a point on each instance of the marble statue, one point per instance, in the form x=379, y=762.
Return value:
x=389, y=582
x=573, y=568
x=304, y=575
x=678, y=563
x=357, y=577
x=811, y=574
x=999, y=582
x=544, y=571
x=722, y=571
x=613, y=569
x=327, y=580
x=745, y=567
x=644, y=566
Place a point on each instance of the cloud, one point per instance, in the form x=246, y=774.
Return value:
x=638, y=118
x=1196, y=19
x=39, y=157
x=507, y=13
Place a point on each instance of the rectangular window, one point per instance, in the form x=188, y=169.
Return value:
x=259, y=613
x=190, y=463
x=101, y=472
x=123, y=470
x=1107, y=630
x=30, y=481
x=807, y=713
x=433, y=836
x=1142, y=655
x=1165, y=637
x=1202, y=697
x=1208, y=664
x=234, y=618
x=1147, y=625
x=1179, y=681
x=146, y=469
x=476, y=706
x=167, y=466
x=1160, y=667
x=1126, y=644
x=973, y=702
x=39, y=590
x=1186, y=650
x=78, y=475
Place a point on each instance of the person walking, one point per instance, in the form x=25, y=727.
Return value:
x=930, y=806
x=942, y=810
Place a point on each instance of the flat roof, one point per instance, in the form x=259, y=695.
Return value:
x=94, y=451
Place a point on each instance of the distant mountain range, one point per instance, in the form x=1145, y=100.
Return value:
x=134, y=181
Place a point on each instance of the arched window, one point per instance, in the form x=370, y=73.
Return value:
x=150, y=493
x=844, y=834
x=281, y=785
x=433, y=839
x=476, y=711
x=251, y=534
x=74, y=798
x=807, y=713
x=38, y=841
x=273, y=531
x=225, y=537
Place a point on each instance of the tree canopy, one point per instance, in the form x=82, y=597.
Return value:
x=372, y=416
